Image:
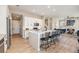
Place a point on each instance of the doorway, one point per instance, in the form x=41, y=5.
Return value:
x=16, y=24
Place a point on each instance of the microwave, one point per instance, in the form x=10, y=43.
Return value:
x=36, y=24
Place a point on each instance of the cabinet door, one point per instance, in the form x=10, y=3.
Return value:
x=2, y=46
x=50, y=23
x=46, y=22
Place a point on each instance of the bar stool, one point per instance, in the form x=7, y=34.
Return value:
x=53, y=36
x=45, y=41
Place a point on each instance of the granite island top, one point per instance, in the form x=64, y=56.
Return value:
x=2, y=36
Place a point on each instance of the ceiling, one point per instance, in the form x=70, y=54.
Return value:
x=48, y=10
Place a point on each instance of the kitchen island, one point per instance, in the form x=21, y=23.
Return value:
x=34, y=38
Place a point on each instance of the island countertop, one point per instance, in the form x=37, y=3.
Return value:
x=40, y=32
x=34, y=38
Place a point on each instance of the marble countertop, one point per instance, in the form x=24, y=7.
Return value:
x=2, y=36
x=40, y=32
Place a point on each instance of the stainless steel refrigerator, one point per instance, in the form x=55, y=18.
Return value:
x=8, y=32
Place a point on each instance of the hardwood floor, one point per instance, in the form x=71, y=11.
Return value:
x=66, y=44
x=20, y=45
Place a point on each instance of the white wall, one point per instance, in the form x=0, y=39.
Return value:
x=55, y=23
x=75, y=26
x=3, y=16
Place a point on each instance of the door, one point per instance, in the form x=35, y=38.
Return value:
x=15, y=27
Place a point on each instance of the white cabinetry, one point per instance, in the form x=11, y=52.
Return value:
x=28, y=22
x=26, y=34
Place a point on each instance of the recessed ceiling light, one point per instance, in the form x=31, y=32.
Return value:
x=48, y=6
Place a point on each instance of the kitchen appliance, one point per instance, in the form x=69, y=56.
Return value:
x=36, y=24
x=8, y=32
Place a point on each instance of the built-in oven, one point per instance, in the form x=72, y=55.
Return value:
x=2, y=45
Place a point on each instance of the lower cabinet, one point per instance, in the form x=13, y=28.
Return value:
x=26, y=34
x=2, y=46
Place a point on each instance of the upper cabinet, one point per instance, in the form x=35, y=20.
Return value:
x=29, y=22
